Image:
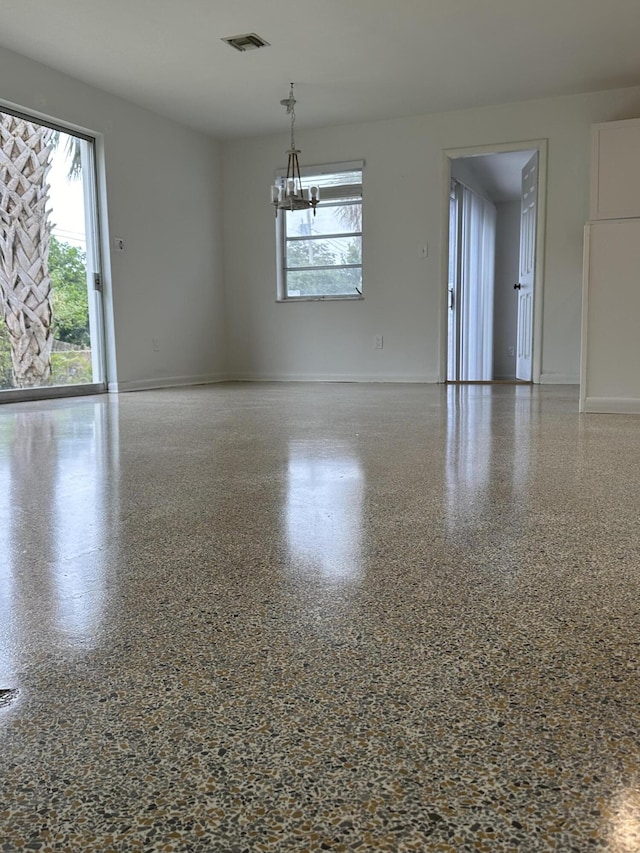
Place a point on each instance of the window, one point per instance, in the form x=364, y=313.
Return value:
x=320, y=257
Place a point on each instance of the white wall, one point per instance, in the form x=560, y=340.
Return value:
x=505, y=303
x=403, y=201
x=161, y=183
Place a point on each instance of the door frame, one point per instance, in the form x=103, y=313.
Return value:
x=449, y=154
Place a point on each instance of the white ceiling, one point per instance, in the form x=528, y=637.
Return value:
x=500, y=174
x=352, y=60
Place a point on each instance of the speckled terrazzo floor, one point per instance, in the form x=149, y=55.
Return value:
x=319, y=617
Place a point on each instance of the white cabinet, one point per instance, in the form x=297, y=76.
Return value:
x=610, y=363
x=615, y=170
x=610, y=372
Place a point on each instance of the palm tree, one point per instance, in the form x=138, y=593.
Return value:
x=25, y=285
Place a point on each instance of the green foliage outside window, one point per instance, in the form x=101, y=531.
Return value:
x=68, y=271
x=324, y=282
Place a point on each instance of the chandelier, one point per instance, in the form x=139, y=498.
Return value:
x=289, y=194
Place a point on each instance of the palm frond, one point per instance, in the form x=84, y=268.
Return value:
x=73, y=150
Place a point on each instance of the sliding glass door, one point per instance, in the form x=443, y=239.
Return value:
x=51, y=328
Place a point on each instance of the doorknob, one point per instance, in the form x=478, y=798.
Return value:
x=517, y=286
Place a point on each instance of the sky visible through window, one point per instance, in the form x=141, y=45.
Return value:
x=66, y=200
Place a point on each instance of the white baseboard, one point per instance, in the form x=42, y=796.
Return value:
x=165, y=382
x=559, y=379
x=612, y=405
x=330, y=377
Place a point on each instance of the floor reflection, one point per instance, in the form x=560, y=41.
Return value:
x=489, y=467
x=468, y=457
x=54, y=468
x=80, y=514
x=488, y=435
x=324, y=510
x=625, y=822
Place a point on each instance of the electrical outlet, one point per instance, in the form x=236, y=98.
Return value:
x=377, y=342
x=512, y=351
x=155, y=343
x=424, y=251
x=118, y=243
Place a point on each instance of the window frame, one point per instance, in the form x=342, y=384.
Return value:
x=329, y=196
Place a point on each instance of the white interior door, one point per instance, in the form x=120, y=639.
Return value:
x=524, y=285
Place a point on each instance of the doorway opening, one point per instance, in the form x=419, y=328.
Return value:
x=494, y=208
x=51, y=319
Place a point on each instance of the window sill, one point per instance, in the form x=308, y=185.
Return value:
x=284, y=299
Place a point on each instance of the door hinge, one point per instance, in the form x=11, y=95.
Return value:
x=97, y=282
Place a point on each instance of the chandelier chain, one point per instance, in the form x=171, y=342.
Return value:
x=291, y=109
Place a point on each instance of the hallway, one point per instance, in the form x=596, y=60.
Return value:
x=300, y=617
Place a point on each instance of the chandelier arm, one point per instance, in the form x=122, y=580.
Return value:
x=297, y=165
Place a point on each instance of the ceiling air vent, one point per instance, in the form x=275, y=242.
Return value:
x=247, y=41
